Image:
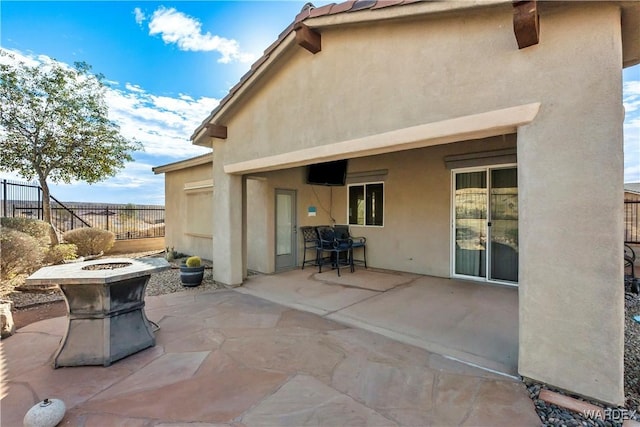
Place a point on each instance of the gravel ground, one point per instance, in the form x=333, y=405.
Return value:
x=165, y=282
x=552, y=415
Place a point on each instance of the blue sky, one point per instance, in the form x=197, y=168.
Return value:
x=168, y=64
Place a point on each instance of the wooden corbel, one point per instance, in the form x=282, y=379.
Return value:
x=307, y=38
x=526, y=23
x=216, y=131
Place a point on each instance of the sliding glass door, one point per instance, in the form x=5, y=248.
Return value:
x=485, y=217
x=503, y=221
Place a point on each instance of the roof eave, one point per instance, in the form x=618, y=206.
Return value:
x=409, y=10
x=630, y=21
x=183, y=164
x=287, y=39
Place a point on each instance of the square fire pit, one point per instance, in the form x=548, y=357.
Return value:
x=105, y=304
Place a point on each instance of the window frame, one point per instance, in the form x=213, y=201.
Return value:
x=364, y=185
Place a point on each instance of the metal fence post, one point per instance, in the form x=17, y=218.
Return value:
x=40, y=208
x=4, y=197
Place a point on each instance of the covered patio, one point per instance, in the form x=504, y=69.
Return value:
x=227, y=358
x=461, y=320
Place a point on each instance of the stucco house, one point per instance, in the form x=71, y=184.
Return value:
x=482, y=139
x=632, y=191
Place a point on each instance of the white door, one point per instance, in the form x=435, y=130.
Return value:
x=285, y=229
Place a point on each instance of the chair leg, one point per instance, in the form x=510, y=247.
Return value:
x=364, y=254
x=353, y=268
x=304, y=257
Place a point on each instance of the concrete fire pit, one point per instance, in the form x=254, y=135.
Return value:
x=105, y=304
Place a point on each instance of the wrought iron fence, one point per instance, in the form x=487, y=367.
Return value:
x=632, y=221
x=129, y=221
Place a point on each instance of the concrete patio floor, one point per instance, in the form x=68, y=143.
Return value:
x=468, y=321
x=225, y=358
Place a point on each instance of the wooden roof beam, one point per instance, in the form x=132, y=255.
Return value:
x=526, y=23
x=216, y=131
x=307, y=38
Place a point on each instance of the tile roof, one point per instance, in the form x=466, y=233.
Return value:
x=633, y=187
x=308, y=11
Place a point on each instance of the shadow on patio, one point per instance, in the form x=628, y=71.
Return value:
x=224, y=358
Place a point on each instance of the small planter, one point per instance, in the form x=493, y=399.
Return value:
x=191, y=275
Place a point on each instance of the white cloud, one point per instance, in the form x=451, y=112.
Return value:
x=163, y=125
x=130, y=87
x=631, y=100
x=11, y=57
x=186, y=32
x=632, y=152
x=140, y=16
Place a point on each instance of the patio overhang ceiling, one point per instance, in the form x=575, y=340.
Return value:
x=475, y=126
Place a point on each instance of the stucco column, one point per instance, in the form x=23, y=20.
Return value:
x=570, y=179
x=227, y=224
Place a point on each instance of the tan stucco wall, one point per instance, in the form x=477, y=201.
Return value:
x=375, y=78
x=188, y=212
x=628, y=195
x=416, y=234
x=137, y=245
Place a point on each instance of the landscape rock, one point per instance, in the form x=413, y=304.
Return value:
x=6, y=318
x=47, y=413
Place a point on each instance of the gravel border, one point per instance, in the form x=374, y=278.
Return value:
x=164, y=282
x=553, y=415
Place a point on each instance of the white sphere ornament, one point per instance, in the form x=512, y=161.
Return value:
x=47, y=413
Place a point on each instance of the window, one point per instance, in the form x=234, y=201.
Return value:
x=366, y=204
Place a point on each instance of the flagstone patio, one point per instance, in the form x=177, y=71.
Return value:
x=225, y=358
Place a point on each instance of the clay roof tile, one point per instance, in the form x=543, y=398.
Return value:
x=386, y=3
x=362, y=4
x=321, y=11
x=342, y=7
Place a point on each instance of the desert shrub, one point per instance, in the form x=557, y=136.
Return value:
x=35, y=228
x=90, y=241
x=63, y=252
x=21, y=253
x=193, y=261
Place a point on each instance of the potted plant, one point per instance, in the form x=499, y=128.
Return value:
x=192, y=271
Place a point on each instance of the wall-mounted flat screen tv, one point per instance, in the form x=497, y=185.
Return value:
x=328, y=173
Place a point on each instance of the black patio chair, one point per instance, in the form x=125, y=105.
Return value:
x=339, y=250
x=342, y=232
x=310, y=238
x=629, y=263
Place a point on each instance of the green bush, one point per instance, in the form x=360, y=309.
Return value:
x=21, y=253
x=193, y=261
x=35, y=228
x=90, y=241
x=63, y=252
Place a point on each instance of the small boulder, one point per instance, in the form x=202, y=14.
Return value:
x=6, y=318
x=47, y=413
